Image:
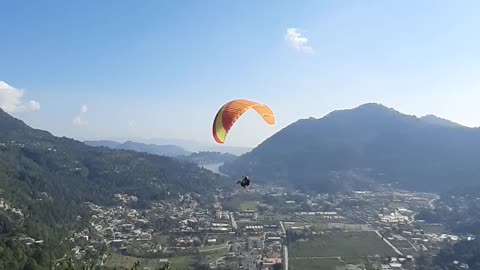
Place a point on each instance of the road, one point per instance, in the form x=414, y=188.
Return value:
x=224, y=246
x=283, y=228
x=217, y=261
x=234, y=222
x=390, y=244
x=413, y=246
x=285, y=250
x=431, y=203
x=317, y=257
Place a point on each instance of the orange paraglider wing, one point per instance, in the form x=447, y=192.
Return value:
x=232, y=111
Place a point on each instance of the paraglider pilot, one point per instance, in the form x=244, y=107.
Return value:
x=245, y=182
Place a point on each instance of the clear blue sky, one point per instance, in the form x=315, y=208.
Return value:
x=163, y=68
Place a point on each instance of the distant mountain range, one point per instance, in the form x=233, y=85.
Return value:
x=200, y=158
x=161, y=150
x=351, y=148
x=187, y=145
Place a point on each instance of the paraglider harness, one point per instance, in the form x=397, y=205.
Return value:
x=245, y=182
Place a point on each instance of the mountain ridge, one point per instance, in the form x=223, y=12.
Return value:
x=369, y=138
x=161, y=150
x=435, y=120
x=188, y=146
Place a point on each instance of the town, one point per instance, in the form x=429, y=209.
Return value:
x=266, y=228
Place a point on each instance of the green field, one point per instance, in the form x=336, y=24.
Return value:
x=275, y=218
x=177, y=263
x=434, y=228
x=314, y=264
x=213, y=255
x=242, y=201
x=398, y=205
x=162, y=239
x=249, y=222
x=316, y=219
x=248, y=205
x=342, y=244
x=213, y=247
x=350, y=227
x=323, y=264
x=321, y=227
x=296, y=224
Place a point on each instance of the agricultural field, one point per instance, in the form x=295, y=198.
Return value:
x=275, y=218
x=321, y=219
x=241, y=202
x=342, y=244
x=350, y=227
x=248, y=205
x=314, y=264
x=434, y=228
x=177, y=263
x=213, y=255
x=249, y=222
x=162, y=239
x=393, y=205
x=293, y=224
x=402, y=244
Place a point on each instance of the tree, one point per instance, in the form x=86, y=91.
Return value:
x=200, y=266
x=31, y=264
x=40, y=256
x=136, y=265
x=5, y=224
x=277, y=266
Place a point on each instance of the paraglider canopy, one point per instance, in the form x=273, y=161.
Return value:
x=232, y=111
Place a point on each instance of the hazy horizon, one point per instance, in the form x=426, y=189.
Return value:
x=99, y=70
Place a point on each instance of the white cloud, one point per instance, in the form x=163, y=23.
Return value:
x=34, y=105
x=297, y=41
x=131, y=123
x=11, y=100
x=78, y=120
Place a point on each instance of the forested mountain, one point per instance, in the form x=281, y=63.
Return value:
x=161, y=150
x=458, y=209
x=200, y=158
x=185, y=145
x=195, y=146
x=45, y=180
x=464, y=254
x=104, y=143
x=370, y=141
